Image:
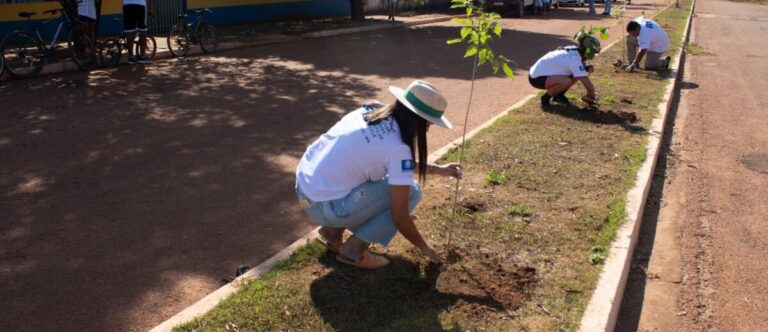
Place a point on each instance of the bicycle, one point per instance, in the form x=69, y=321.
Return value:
x=183, y=33
x=111, y=50
x=25, y=52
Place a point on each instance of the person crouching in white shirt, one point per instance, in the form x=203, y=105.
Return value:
x=557, y=71
x=359, y=174
x=652, y=41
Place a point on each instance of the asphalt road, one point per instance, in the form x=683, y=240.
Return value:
x=128, y=194
x=700, y=264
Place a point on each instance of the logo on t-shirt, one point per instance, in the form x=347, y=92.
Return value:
x=407, y=165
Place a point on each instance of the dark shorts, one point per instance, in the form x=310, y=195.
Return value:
x=538, y=82
x=86, y=19
x=135, y=18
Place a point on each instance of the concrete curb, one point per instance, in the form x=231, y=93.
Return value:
x=603, y=309
x=69, y=65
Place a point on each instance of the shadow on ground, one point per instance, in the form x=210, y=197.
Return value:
x=127, y=188
x=402, y=296
x=603, y=115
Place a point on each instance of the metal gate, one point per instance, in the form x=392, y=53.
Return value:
x=165, y=14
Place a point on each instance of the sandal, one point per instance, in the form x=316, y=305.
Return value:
x=366, y=261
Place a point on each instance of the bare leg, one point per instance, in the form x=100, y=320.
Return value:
x=131, y=37
x=559, y=84
x=143, y=43
x=331, y=234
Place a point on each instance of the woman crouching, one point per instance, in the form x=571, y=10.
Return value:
x=359, y=175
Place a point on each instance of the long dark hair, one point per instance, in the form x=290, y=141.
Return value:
x=413, y=130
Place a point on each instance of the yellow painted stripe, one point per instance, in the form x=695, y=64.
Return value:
x=10, y=12
x=232, y=3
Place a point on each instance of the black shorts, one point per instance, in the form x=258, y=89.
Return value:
x=134, y=18
x=86, y=19
x=538, y=82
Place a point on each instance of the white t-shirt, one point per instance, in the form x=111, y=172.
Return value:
x=563, y=62
x=87, y=8
x=351, y=153
x=652, y=37
x=135, y=2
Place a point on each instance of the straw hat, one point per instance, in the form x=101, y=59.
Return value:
x=424, y=99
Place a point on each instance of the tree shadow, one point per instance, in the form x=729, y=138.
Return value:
x=127, y=188
x=599, y=116
x=402, y=296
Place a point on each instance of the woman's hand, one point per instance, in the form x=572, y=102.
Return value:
x=430, y=252
x=453, y=170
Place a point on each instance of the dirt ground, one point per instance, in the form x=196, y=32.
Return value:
x=700, y=264
x=128, y=194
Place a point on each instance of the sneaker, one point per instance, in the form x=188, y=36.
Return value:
x=131, y=60
x=561, y=98
x=545, y=100
x=143, y=60
x=667, y=60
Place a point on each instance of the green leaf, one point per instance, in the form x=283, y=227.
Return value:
x=497, y=29
x=471, y=50
x=603, y=35
x=454, y=6
x=462, y=21
x=483, y=55
x=465, y=31
x=495, y=65
x=508, y=70
x=453, y=41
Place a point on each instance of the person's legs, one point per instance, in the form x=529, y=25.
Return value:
x=632, y=46
x=131, y=38
x=607, y=8
x=557, y=85
x=652, y=60
x=130, y=23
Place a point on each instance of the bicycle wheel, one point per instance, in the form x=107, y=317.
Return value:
x=178, y=41
x=24, y=55
x=110, y=52
x=209, y=40
x=150, y=50
x=83, y=52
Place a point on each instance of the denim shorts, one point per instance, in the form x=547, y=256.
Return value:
x=365, y=211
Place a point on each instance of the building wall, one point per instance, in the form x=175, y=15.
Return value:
x=224, y=11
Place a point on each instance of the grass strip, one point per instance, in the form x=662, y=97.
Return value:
x=543, y=194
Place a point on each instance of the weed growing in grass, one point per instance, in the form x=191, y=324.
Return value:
x=496, y=178
x=598, y=254
x=520, y=211
x=608, y=100
x=696, y=49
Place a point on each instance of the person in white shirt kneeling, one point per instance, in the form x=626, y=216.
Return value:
x=359, y=174
x=650, y=38
x=557, y=71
